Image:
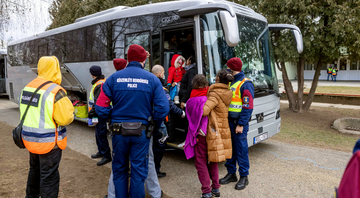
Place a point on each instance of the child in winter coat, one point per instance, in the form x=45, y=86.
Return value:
x=216, y=146
x=176, y=72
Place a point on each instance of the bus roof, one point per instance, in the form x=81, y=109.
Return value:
x=122, y=12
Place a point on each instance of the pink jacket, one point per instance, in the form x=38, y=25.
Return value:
x=194, y=112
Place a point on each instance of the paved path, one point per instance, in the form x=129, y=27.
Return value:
x=277, y=169
x=307, y=84
x=319, y=104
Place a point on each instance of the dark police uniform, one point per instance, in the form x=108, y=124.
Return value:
x=136, y=95
x=242, y=117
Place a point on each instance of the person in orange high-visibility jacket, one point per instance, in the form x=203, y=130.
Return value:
x=44, y=134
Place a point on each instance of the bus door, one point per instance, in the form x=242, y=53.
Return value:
x=2, y=75
x=179, y=39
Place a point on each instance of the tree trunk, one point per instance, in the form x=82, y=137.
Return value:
x=300, y=71
x=288, y=87
x=314, y=84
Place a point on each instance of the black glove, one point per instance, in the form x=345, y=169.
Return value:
x=92, y=113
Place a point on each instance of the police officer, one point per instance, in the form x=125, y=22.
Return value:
x=152, y=182
x=160, y=138
x=240, y=111
x=43, y=134
x=330, y=73
x=334, y=73
x=135, y=95
x=100, y=128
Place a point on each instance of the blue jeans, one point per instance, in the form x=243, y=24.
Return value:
x=151, y=183
x=334, y=78
x=240, y=151
x=101, y=139
x=136, y=150
x=330, y=74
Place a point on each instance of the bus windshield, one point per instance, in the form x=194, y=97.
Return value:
x=254, y=49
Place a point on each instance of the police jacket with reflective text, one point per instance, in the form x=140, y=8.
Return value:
x=247, y=96
x=135, y=93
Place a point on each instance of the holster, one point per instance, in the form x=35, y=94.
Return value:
x=128, y=128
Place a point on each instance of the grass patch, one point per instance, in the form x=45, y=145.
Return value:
x=337, y=90
x=313, y=128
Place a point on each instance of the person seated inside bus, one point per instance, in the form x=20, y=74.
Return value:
x=171, y=44
x=187, y=46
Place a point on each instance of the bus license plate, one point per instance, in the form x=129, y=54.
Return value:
x=260, y=138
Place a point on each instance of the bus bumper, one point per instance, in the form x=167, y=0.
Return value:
x=265, y=131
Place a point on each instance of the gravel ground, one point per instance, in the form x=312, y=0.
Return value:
x=277, y=169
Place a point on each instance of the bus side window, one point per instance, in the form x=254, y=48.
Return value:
x=141, y=39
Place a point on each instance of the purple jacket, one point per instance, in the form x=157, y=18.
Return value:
x=194, y=112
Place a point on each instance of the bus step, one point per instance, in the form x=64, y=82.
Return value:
x=181, y=130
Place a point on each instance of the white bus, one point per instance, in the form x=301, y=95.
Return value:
x=212, y=30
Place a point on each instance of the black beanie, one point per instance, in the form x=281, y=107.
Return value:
x=95, y=70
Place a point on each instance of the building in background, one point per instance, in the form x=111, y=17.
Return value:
x=347, y=70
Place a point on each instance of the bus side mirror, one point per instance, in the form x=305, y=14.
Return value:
x=230, y=27
x=296, y=33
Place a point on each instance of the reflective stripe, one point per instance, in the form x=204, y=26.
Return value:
x=61, y=137
x=37, y=130
x=43, y=101
x=91, y=97
x=36, y=139
x=235, y=106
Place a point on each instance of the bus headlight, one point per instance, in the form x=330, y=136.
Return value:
x=278, y=114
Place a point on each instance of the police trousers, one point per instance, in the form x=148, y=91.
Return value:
x=136, y=150
x=330, y=74
x=240, y=151
x=44, y=177
x=101, y=139
x=151, y=182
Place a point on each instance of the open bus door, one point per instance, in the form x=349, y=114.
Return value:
x=179, y=39
x=3, y=73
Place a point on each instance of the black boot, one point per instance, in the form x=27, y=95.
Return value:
x=104, y=161
x=228, y=178
x=97, y=155
x=242, y=183
x=161, y=174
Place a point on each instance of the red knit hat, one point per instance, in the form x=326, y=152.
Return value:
x=136, y=53
x=119, y=64
x=234, y=64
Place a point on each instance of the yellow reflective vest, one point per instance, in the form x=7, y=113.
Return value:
x=40, y=133
x=334, y=72
x=236, y=101
x=330, y=70
x=91, y=97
